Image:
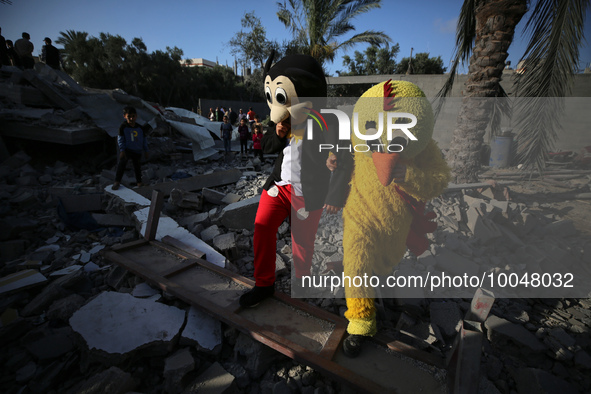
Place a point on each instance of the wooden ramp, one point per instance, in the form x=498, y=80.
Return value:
x=294, y=328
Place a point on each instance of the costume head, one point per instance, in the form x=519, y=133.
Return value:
x=375, y=111
x=290, y=79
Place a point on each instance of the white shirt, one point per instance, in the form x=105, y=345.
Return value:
x=291, y=168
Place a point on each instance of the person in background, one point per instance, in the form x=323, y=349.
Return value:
x=219, y=114
x=12, y=55
x=50, y=55
x=226, y=134
x=241, y=115
x=211, y=115
x=24, y=49
x=233, y=116
x=4, y=60
x=257, y=137
x=244, y=134
x=132, y=143
x=251, y=114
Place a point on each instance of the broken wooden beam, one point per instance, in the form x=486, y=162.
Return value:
x=154, y=215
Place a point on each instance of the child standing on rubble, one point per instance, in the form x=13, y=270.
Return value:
x=244, y=135
x=132, y=143
x=257, y=137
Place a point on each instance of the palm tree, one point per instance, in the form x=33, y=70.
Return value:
x=485, y=31
x=317, y=25
x=72, y=41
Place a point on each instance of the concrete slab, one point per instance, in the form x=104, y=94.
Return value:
x=202, y=330
x=215, y=380
x=240, y=214
x=21, y=280
x=119, y=323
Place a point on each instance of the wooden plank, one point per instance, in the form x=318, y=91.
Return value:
x=154, y=215
x=167, y=239
x=313, y=338
x=178, y=269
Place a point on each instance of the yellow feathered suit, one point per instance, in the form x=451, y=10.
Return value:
x=377, y=217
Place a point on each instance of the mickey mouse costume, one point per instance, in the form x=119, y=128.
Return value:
x=300, y=185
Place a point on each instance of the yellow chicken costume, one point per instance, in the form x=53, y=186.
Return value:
x=391, y=182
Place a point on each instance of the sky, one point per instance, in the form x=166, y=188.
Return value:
x=202, y=29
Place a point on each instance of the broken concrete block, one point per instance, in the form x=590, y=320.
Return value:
x=112, y=380
x=120, y=323
x=62, y=309
x=259, y=357
x=240, y=215
x=192, y=220
x=231, y=198
x=501, y=331
x=176, y=367
x=538, y=381
x=21, y=280
x=144, y=290
x=210, y=233
x=481, y=305
x=52, y=292
x=53, y=94
x=225, y=242
x=213, y=196
x=280, y=266
x=117, y=277
x=202, y=331
x=185, y=199
x=447, y=316
x=53, y=344
x=482, y=228
x=215, y=380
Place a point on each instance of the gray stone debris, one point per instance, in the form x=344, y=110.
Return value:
x=537, y=344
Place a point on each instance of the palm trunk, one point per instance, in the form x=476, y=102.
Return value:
x=495, y=27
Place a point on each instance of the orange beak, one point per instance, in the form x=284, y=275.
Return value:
x=385, y=164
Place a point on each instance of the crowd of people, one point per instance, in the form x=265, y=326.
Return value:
x=20, y=53
x=250, y=129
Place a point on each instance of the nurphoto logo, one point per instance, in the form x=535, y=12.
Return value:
x=373, y=135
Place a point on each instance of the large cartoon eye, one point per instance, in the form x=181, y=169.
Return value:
x=268, y=94
x=280, y=96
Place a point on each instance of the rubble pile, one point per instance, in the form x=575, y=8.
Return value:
x=70, y=321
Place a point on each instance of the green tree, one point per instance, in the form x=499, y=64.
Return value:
x=374, y=61
x=252, y=46
x=317, y=26
x=422, y=64
x=484, y=33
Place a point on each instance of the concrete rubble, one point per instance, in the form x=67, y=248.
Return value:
x=58, y=293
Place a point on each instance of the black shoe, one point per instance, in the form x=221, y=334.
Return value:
x=256, y=295
x=352, y=345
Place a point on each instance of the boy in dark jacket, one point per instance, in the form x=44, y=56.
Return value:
x=132, y=143
x=244, y=134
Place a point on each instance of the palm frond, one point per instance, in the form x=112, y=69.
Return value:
x=550, y=62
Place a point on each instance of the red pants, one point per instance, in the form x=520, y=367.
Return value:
x=271, y=213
